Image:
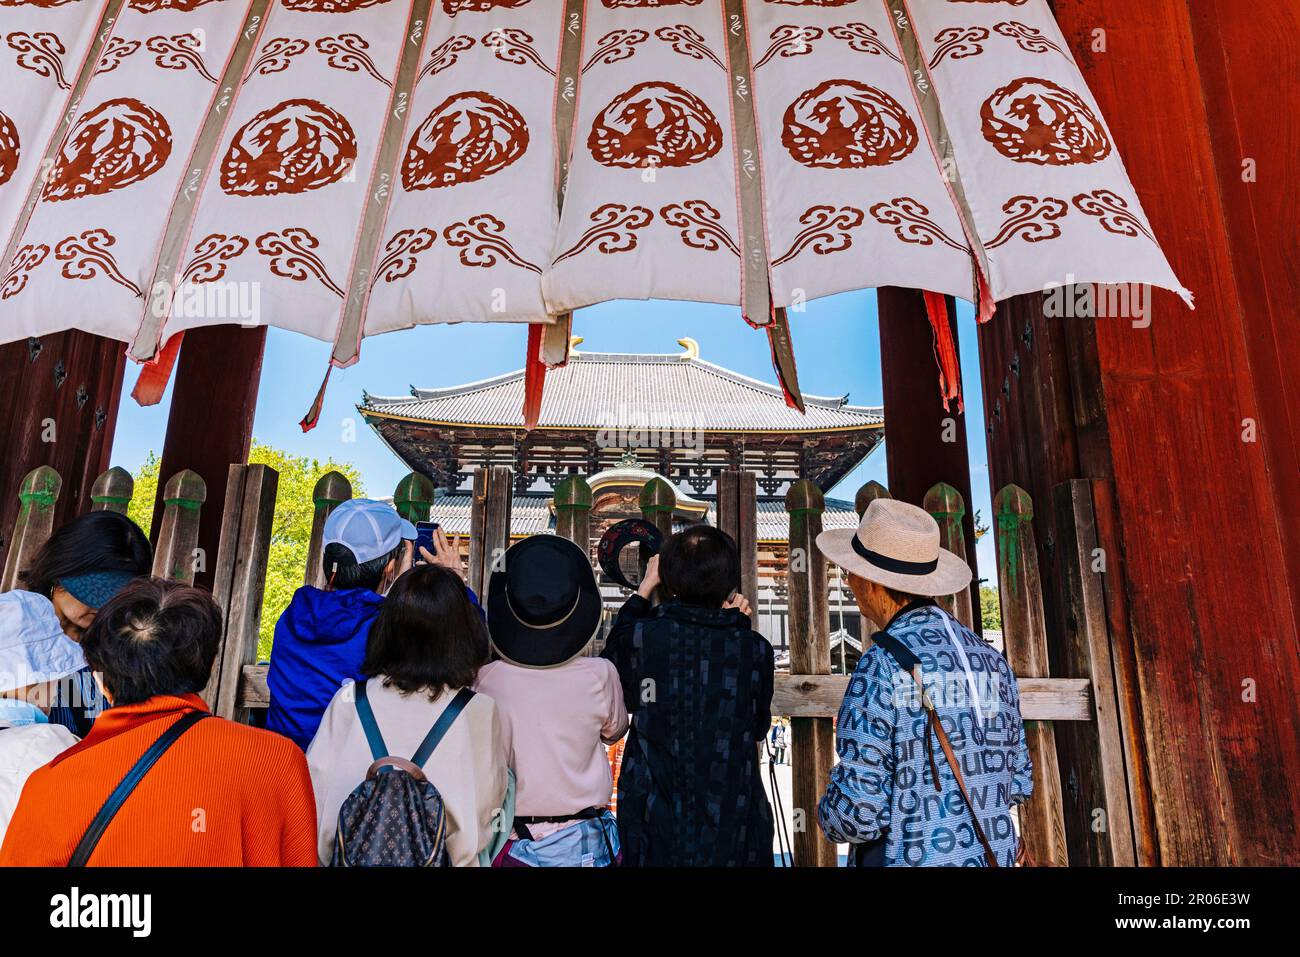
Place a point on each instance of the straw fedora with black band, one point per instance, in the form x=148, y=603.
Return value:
x=897, y=545
x=544, y=605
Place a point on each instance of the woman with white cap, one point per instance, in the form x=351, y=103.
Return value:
x=924, y=779
x=35, y=655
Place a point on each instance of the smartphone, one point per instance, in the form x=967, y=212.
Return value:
x=424, y=538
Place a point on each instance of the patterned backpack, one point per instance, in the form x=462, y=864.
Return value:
x=395, y=817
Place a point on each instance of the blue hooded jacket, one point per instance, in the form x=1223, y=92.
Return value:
x=320, y=642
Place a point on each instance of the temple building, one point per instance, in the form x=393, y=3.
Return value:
x=620, y=420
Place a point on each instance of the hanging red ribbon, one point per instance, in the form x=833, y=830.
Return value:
x=945, y=349
x=157, y=372
x=312, y=417
x=534, y=376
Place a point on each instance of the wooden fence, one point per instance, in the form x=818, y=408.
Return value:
x=810, y=695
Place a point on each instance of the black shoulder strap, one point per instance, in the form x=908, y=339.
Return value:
x=449, y=714
x=90, y=840
x=901, y=654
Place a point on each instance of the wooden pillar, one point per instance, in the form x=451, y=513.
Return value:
x=112, y=491
x=1024, y=635
x=573, y=501
x=60, y=397
x=332, y=490
x=38, y=496
x=210, y=425
x=413, y=497
x=869, y=492
x=1184, y=424
x=489, y=523
x=738, y=517
x=174, y=554
x=657, y=501
x=924, y=443
x=948, y=509
x=812, y=745
x=245, y=546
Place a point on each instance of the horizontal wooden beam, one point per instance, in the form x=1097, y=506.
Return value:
x=819, y=696
x=1041, y=699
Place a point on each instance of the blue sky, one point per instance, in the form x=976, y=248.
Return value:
x=837, y=344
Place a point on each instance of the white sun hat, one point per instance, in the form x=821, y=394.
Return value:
x=897, y=545
x=33, y=647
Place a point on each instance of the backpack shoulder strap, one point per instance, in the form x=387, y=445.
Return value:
x=449, y=715
x=902, y=655
x=90, y=840
x=366, y=715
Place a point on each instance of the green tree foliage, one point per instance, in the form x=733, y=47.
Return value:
x=140, y=510
x=290, y=533
x=990, y=608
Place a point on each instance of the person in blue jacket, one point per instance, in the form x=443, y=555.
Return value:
x=320, y=640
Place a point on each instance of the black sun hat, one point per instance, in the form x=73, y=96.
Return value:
x=544, y=605
x=617, y=537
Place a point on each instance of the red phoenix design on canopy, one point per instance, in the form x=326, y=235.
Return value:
x=654, y=124
x=291, y=147
x=1031, y=120
x=616, y=4
x=118, y=143
x=468, y=136
x=329, y=6
x=182, y=6
x=844, y=124
x=453, y=7
x=10, y=147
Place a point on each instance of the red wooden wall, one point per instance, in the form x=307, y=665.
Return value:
x=1209, y=523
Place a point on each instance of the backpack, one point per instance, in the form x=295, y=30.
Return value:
x=395, y=817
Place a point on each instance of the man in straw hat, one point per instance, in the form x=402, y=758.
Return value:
x=924, y=779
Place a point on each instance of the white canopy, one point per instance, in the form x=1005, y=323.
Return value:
x=349, y=167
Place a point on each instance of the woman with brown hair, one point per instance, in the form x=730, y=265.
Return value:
x=427, y=643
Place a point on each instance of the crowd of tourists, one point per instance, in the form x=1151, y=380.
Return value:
x=414, y=722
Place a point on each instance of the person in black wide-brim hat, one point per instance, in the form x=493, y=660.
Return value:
x=557, y=708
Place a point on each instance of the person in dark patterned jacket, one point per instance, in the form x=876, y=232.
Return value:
x=698, y=681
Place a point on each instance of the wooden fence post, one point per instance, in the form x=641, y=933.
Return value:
x=945, y=505
x=573, y=501
x=332, y=490
x=112, y=491
x=413, y=497
x=175, y=554
x=869, y=492
x=738, y=517
x=489, y=522
x=1098, y=817
x=812, y=746
x=1024, y=635
x=37, y=495
x=240, y=579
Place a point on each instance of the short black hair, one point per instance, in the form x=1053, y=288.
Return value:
x=342, y=571
x=428, y=636
x=95, y=542
x=700, y=566
x=154, y=637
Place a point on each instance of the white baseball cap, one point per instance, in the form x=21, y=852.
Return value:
x=368, y=528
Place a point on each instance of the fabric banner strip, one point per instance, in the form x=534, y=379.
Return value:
x=756, y=288
x=107, y=20
x=927, y=100
x=548, y=344
x=347, y=345
x=166, y=272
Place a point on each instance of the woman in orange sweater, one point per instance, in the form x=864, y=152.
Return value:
x=223, y=794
